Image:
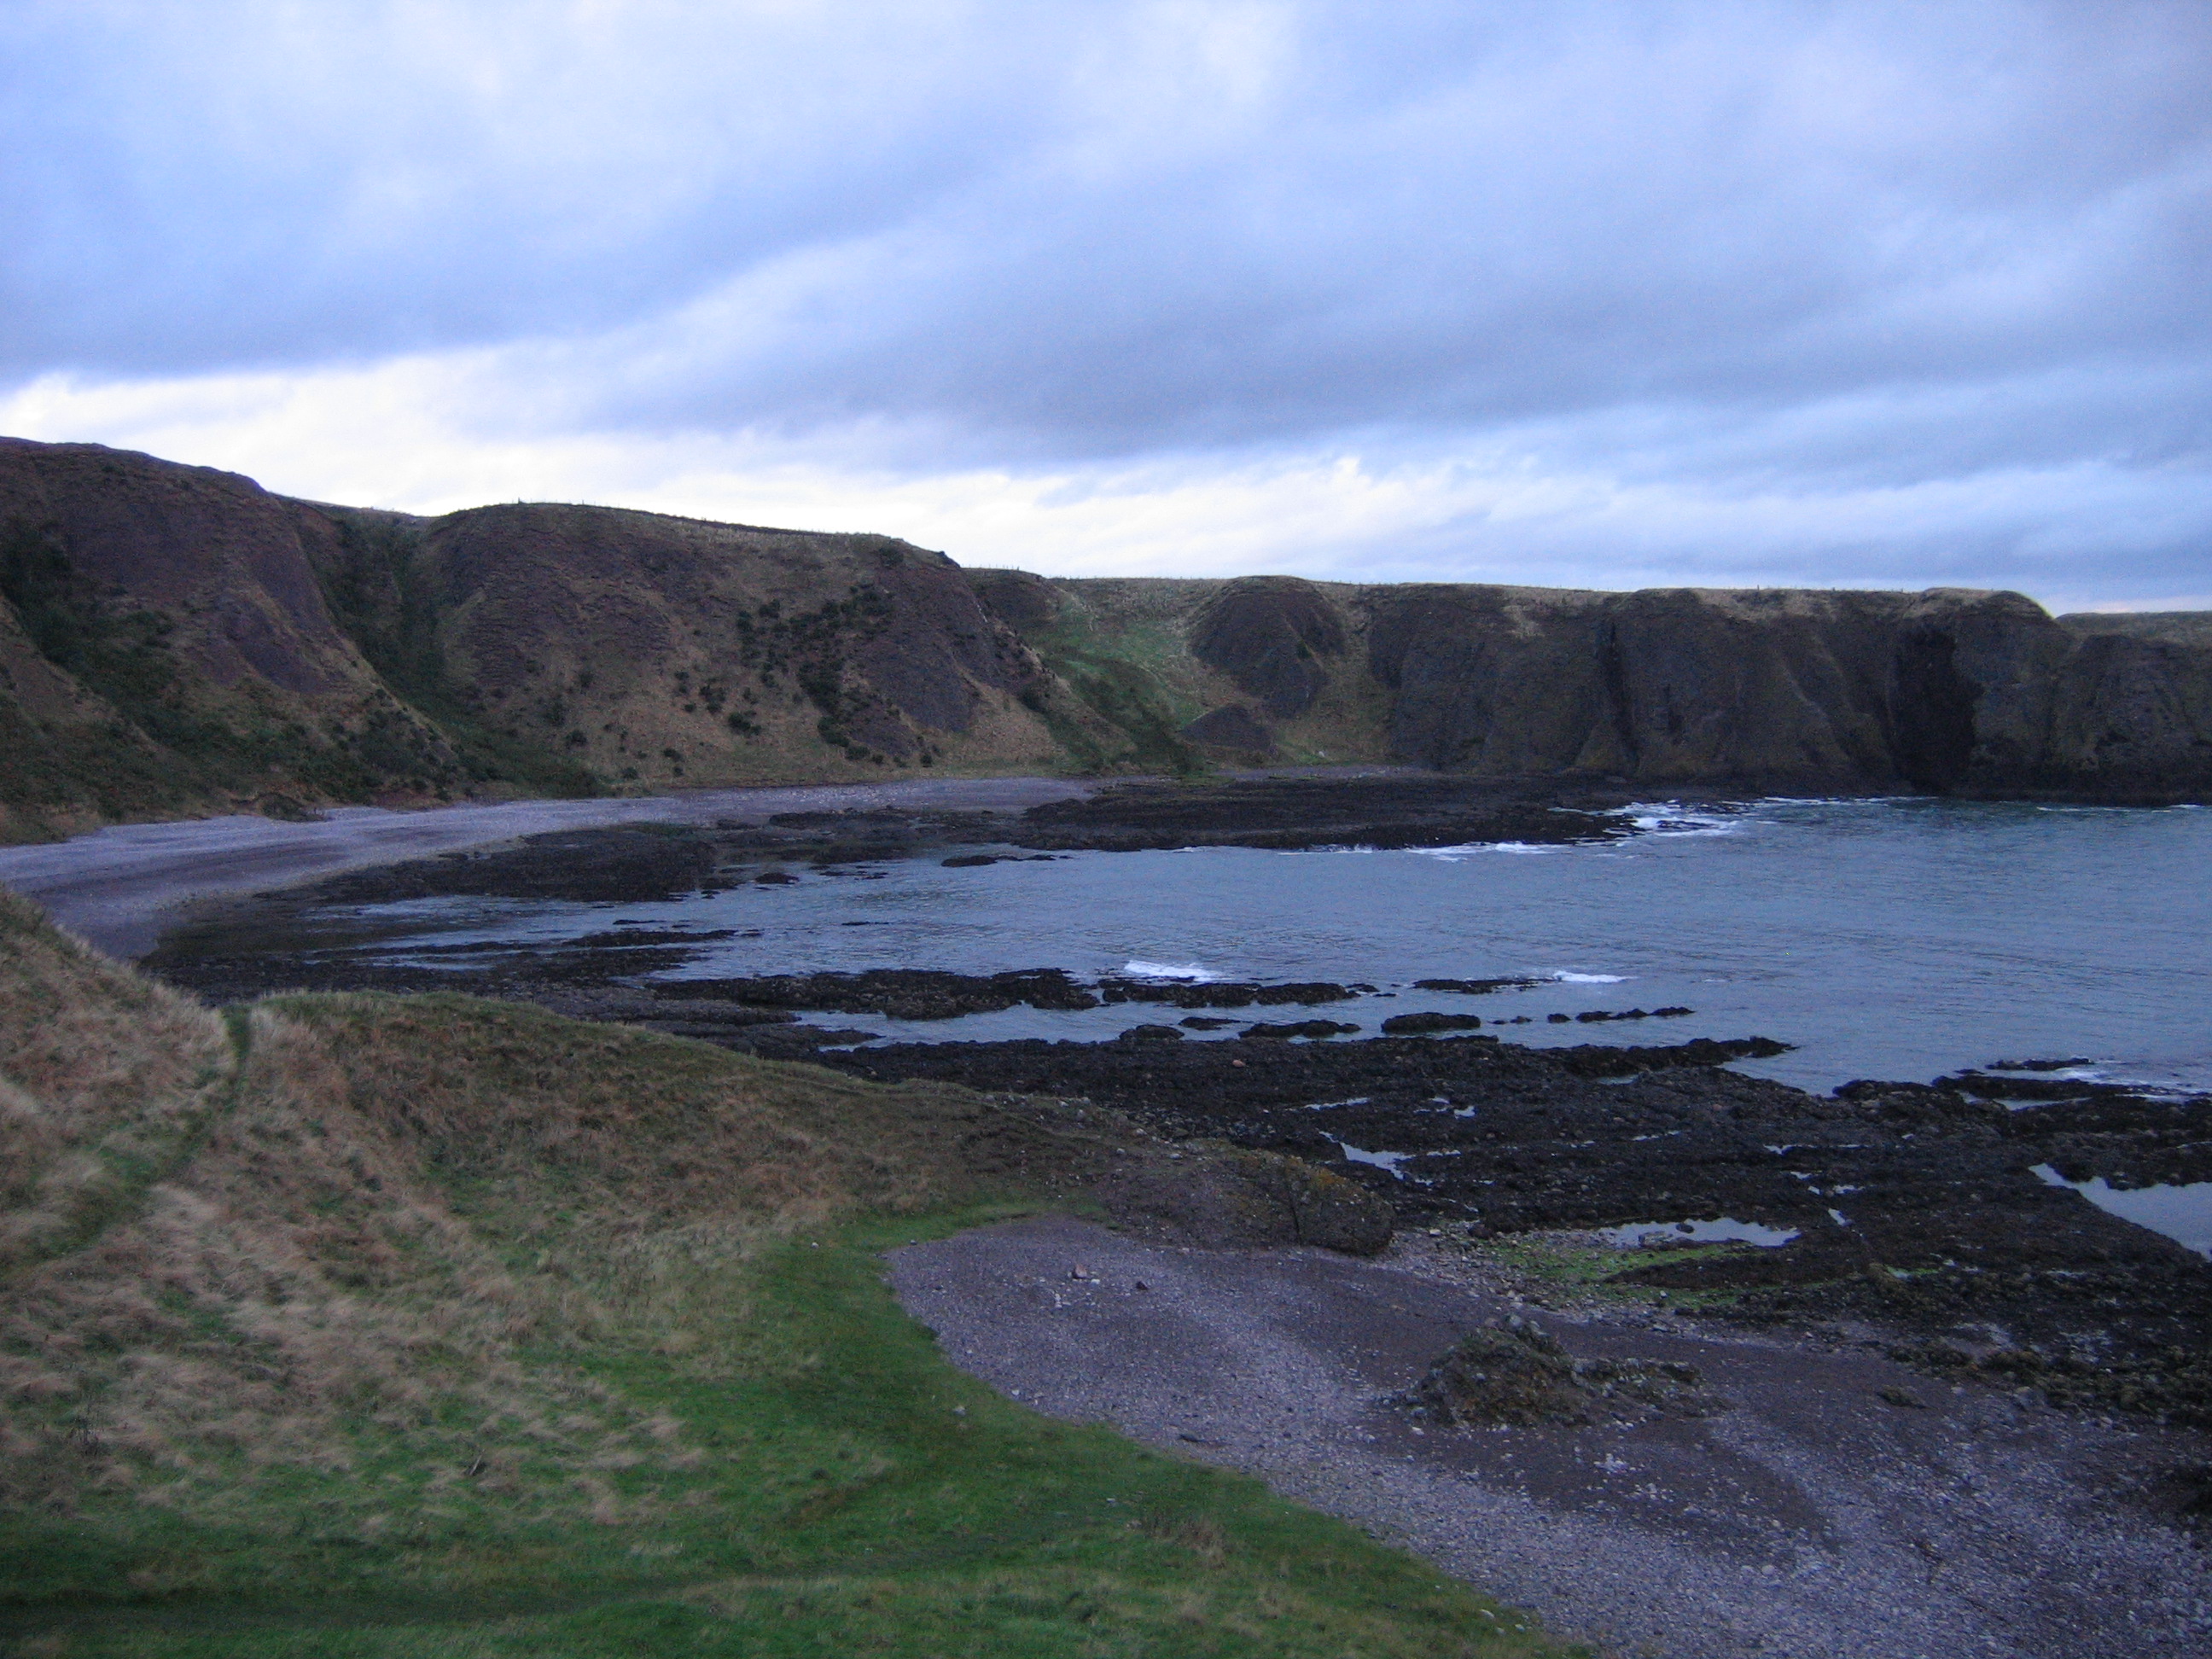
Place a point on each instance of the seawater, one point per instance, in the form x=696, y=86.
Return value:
x=1889, y=938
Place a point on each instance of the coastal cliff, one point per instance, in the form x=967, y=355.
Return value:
x=177, y=641
x=1949, y=691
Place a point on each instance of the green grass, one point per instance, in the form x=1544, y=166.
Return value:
x=846, y=1492
x=1591, y=1269
x=1121, y=681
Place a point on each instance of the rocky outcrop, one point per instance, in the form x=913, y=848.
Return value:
x=1272, y=635
x=2131, y=718
x=166, y=648
x=666, y=649
x=1939, y=692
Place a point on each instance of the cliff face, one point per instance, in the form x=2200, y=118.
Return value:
x=176, y=640
x=165, y=648
x=665, y=649
x=1948, y=690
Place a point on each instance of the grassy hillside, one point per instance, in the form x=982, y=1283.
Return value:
x=366, y=1326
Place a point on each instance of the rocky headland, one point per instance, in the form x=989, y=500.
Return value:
x=176, y=640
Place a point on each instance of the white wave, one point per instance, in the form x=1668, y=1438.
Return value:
x=1668, y=819
x=1591, y=979
x=1473, y=848
x=1191, y=971
x=1834, y=800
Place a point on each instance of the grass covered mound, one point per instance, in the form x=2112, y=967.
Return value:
x=376, y=1326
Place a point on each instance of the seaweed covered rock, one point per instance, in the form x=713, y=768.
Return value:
x=1295, y=1200
x=1514, y=1373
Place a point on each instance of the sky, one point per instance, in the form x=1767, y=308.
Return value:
x=1577, y=294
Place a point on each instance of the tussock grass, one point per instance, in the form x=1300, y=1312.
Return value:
x=432, y=1326
x=105, y=1077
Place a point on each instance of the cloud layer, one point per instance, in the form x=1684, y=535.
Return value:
x=1598, y=293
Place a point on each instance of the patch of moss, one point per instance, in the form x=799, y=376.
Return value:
x=1593, y=1269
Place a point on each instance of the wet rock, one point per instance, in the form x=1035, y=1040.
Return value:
x=898, y=993
x=1261, y=1031
x=643, y=864
x=1311, y=1206
x=1419, y=1024
x=1517, y=1374
x=1473, y=987
x=1151, y=1034
x=796, y=1041
x=1289, y=813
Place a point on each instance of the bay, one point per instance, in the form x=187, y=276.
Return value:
x=1898, y=939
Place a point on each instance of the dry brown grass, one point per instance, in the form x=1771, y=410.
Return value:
x=385, y=1239
x=383, y=1219
x=429, y=1295
x=104, y=1078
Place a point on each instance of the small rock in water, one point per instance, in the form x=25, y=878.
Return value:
x=1419, y=1024
x=1892, y=1395
x=1264, y=1033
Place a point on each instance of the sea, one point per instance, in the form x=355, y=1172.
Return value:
x=1895, y=939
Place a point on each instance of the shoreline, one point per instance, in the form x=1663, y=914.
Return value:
x=119, y=887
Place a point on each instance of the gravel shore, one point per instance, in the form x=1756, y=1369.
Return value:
x=1815, y=1517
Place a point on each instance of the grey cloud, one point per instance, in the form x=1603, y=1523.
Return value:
x=1517, y=241
x=1750, y=249
x=207, y=186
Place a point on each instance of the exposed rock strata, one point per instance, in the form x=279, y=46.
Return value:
x=1950, y=690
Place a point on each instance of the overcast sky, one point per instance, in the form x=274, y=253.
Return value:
x=1599, y=294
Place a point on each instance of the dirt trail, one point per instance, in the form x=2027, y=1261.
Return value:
x=1812, y=1519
